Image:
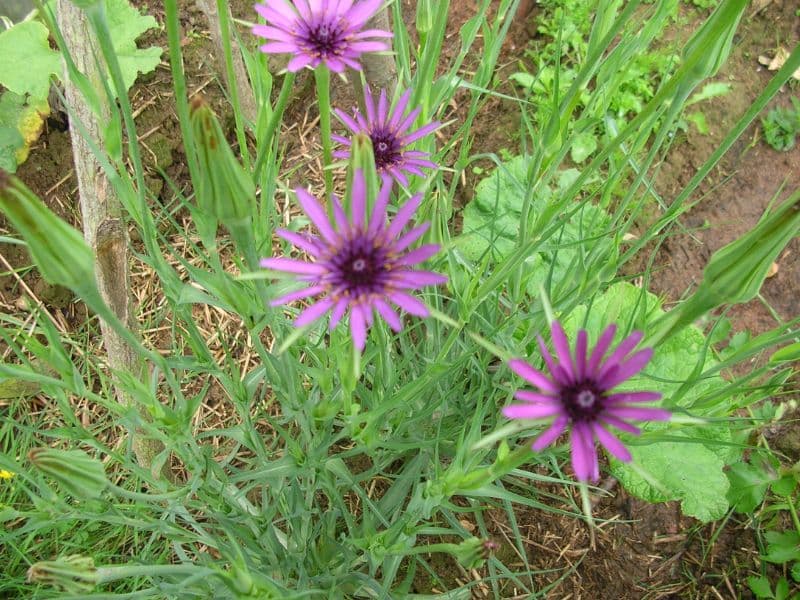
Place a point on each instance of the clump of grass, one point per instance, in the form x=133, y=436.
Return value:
x=781, y=126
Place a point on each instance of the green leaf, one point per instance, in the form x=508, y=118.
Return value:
x=583, y=145
x=760, y=587
x=492, y=224
x=748, y=486
x=683, y=471
x=28, y=60
x=796, y=572
x=10, y=142
x=784, y=486
x=699, y=120
x=710, y=90
x=125, y=24
x=782, y=547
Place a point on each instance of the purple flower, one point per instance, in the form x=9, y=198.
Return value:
x=320, y=31
x=579, y=395
x=387, y=128
x=358, y=265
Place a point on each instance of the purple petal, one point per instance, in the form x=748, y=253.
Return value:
x=628, y=344
x=601, y=348
x=584, y=454
x=347, y=121
x=619, y=423
x=638, y=413
x=411, y=280
x=358, y=327
x=383, y=103
x=278, y=14
x=403, y=216
x=409, y=238
x=385, y=311
x=611, y=443
x=279, y=48
x=409, y=120
x=378, y=218
x=419, y=255
x=358, y=197
x=334, y=64
x=626, y=370
x=369, y=104
x=313, y=312
x=300, y=61
x=289, y=265
x=580, y=354
x=399, y=109
x=557, y=373
x=338, y=214
x=529, y=411
x=561, y=346
x=421, y=132
x=529, y=396
x=409, y=304
x=361, y=12
x=299, y=294
x=304, y=242
x=317, y=215
x=338, y=312
x=531, y=375
x=550, y=434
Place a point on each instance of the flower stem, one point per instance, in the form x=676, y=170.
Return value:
x=322, y=77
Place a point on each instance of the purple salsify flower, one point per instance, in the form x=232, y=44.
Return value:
x=387, y=128
x=578, y=394
x=320, y=31
x=361, y=265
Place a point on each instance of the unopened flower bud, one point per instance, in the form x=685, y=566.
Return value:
x=59, y=250
x=77, y=472
x=72, y=574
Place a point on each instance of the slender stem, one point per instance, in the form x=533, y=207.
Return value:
x=793, y=510
x=322, y=77
x=277, y=115
x=225, y=33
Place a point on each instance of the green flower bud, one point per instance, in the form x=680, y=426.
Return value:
x=73, y=574
x=362, y=157
x=708, y=49
x=78, y=473
x=225, y=190
x=736, y=271
x=473, y=552
x=59, y=250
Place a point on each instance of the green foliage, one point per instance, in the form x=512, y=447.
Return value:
x=29, y=62
x=492, y=223
x=781, y=126
x=566, y=29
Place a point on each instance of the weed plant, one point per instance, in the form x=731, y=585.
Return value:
x=346, y=457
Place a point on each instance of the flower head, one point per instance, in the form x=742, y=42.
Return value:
x=387, y=127
x=578, y=394
x=361, y=264
x=320, y=31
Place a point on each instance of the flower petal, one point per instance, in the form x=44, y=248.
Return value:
x=601, y=348
x=403, y=216
x=550, y=434
x=622, y=397
x=409, y=304
x=619, y=354
x=584, y=453
x=313, y=312
x=419, y=255
x=385, y=311
x=639, y=413
x=529, y=411
x=529, y=396
x=317, y=214
x=299, y=294
x=626, y=370
x=531, y=375
x=561, y=345
x=358, y=327
x=611, y=443
x=290, y=265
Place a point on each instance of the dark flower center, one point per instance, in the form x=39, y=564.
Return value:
x=582, y=401
x=360, y=268
x=386, y=148
x=325, y=39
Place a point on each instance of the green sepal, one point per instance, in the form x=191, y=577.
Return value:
x=78, y=473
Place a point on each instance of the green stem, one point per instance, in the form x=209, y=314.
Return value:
x=793, y=511
x=322, y=76
x=108, y=574
x=265, y=147
x=225, y=32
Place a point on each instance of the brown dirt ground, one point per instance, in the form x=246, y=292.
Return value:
x=644, y=551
